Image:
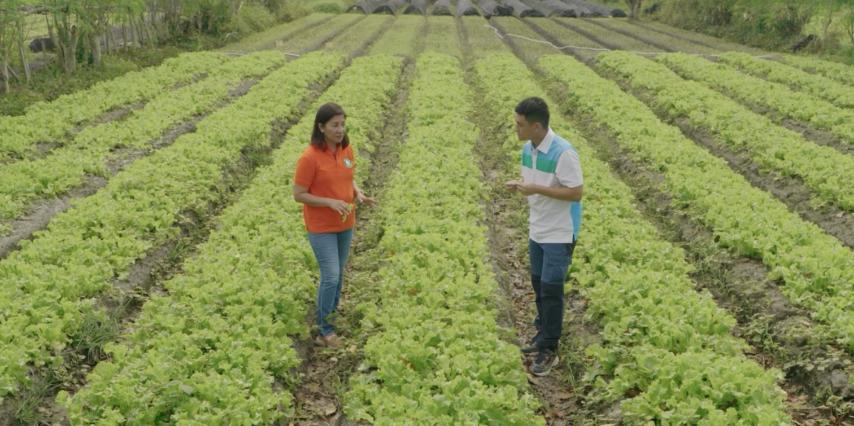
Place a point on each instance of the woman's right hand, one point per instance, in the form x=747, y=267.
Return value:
x=339, y=206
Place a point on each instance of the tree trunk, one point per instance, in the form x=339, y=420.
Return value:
x=150, y=32
x=6, y=77
x=125, y=36
x=67, y=37
x=50, y=29
x=634, y=8
x=143, y=29
x=24, y=62
x=95, y=45
x=6, y=70
x=139, y=32
x=850, y=27
x=108, y=39
x=828, y=19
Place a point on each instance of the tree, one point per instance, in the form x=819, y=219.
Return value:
x=849, y=23
x=634, y=8
x=12, y=16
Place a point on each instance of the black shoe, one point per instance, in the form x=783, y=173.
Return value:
x=546, y=359
x=532, y=346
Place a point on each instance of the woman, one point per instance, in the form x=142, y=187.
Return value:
x=324, y=184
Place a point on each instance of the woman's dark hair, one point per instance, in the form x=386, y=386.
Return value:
x=535, y=110
x=324, y=114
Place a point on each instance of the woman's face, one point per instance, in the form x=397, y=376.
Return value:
x=333, y=130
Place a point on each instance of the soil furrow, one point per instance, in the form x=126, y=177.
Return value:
x=324, y=373
x=782, y=335
x=561, y=393
x=122, y=304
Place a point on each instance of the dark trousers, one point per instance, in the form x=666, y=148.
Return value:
x=549, y=264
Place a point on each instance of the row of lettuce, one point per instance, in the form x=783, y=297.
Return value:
x=67, y=167
x=788, y=103
x=218, y=348
x=212, y=351
x=51, y=121
x=662, y=342
x=435, y=353
x=51, y=283
x=815, y=268
x=83, y=155
x=833, y=70
x=824, y=170
x=839, y=94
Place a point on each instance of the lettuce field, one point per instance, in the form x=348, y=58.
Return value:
x=154, y=267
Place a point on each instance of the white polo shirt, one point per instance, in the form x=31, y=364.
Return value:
x=553, y=163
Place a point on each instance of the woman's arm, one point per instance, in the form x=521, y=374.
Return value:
x=301, y=195
x=361, y=197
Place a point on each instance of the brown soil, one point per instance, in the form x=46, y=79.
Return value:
x=319, y=43
x=561, y=393
x=581, y=31
x=790, y=190
x=674, y=35
x=324, y=373
x=43, y=211
x=632, y=35
x=196, y=78
x=162, y=262
x=274, y=43
x=818, y=136
x=582, y=56
x=783, y=336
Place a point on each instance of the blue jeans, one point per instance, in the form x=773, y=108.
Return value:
x=549, y=264
x=331, y=251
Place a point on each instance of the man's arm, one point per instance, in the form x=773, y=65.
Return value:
x=559, y=192
x=569, y=179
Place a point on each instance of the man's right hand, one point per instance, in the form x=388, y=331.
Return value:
x=512, y=185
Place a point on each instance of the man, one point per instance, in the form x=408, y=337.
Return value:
x=552, y=182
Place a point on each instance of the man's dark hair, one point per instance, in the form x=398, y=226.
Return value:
x=535, y=110
x=325, y=113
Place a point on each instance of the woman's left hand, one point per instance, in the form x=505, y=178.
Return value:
x=364, y=199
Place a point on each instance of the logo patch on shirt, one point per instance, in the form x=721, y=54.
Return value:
x=348, y=163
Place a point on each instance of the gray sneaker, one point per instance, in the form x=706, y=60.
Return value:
x=546, y=359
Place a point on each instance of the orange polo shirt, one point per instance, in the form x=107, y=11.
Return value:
x=327, y=175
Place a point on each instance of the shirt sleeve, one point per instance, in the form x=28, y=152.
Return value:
x=306, y=168
x=522, y=164
x=568, y=171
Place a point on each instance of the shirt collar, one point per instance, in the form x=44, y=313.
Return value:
x=547, y=142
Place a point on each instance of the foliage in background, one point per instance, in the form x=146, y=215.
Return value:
x=96, y=40
x=81, y=30
x=769, y=24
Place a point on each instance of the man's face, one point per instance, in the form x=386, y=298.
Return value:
x=525, y=129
